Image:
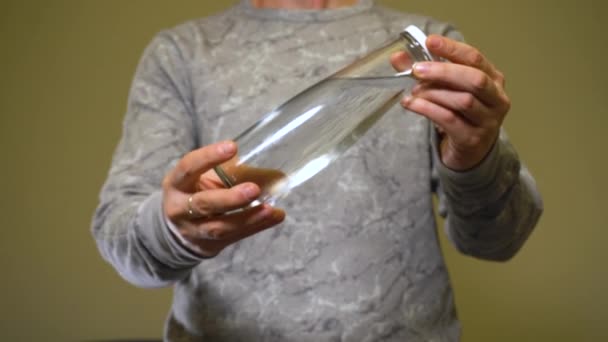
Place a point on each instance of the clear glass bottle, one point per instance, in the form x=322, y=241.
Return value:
x=304, y=135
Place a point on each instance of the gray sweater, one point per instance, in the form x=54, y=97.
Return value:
x=357, y=258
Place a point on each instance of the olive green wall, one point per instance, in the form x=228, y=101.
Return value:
x=66, y=68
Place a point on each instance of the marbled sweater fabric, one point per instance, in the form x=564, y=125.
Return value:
x=357, y=258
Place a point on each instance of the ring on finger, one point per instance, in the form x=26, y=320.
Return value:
x=191, y=212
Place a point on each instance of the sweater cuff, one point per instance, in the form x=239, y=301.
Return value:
x=188, y=246
x=486, y=182
x=158, y=239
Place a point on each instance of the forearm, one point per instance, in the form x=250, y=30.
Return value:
x=129, y=225
x=492, y=209
x=134, y=238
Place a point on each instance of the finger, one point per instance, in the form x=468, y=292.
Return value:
x=218, y=201
x=275, y=218
x=239, y=225
x=186, y=173
x=401, y=61
x=214, y=246
x=212, y=235
x=462, y=78
x=209, y=181
x=460, y=53
x=454, y=125
x=460, y=102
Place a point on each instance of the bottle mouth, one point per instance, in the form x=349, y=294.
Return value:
x=417, y=43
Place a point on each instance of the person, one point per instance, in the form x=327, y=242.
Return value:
x=353, y=254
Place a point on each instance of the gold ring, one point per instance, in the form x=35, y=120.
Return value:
x=190, y=209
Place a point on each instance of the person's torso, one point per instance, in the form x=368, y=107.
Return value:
x=357, y=258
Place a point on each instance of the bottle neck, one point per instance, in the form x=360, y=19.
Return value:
x=415, y=48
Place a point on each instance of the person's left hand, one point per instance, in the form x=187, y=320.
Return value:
x=465, y=99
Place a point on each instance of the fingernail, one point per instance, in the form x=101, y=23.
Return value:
x=421, y=68
x=406, y=100
x=249, y=191
x=416, y=89
x=264, y=214
x=227, y=147
x=433, y=42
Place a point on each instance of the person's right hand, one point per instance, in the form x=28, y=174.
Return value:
x=203, y=210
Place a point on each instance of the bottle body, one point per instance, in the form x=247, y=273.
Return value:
x=306, y=134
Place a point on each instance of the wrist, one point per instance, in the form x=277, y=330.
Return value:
x=186, y=244
x=460, y=158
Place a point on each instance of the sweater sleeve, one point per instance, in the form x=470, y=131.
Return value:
x=492, y=209
x=159, y=128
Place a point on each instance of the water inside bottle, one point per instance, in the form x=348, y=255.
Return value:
x=327, y=118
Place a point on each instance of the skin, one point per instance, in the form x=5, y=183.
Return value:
x=302, y=4
x=465, y=99
x=215, y=223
